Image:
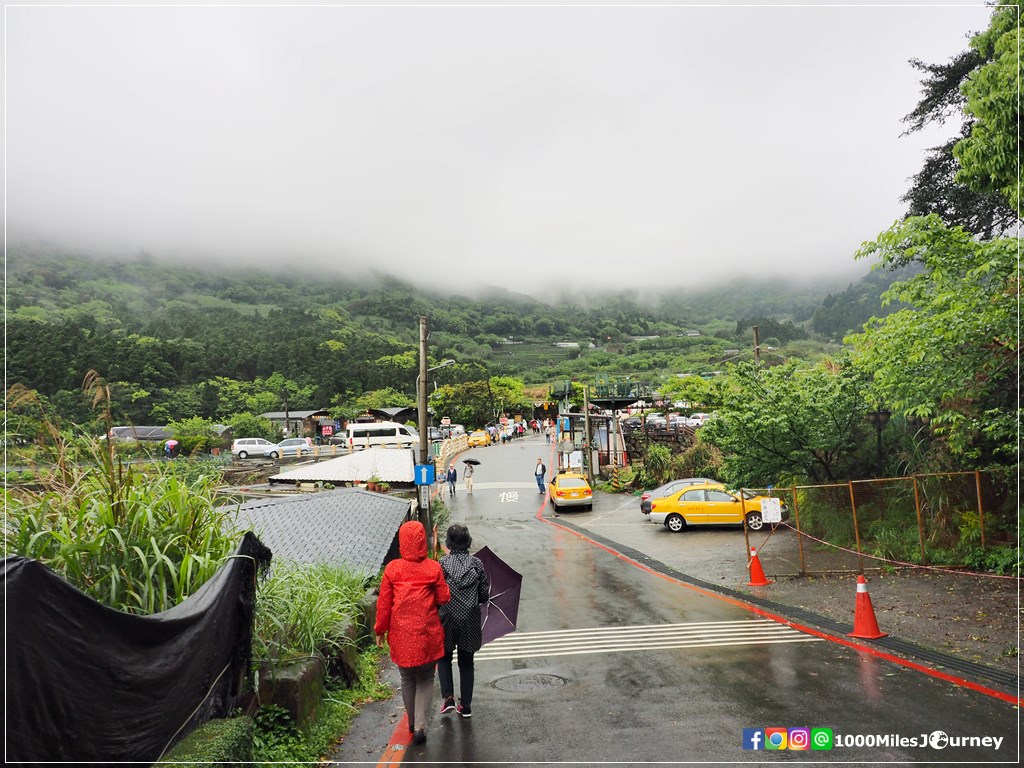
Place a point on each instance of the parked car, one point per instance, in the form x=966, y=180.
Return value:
x=698, y=419
x=479, y=438
x=570, y=489
x=631, y=423
x=452, y=430
x=709, y=504
x=387, y=434
x=434, y=434
x=250, y=446
x=655, y=420
x=293, y=446
x=669, y=488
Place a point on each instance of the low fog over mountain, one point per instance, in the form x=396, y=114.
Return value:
x=463, y=147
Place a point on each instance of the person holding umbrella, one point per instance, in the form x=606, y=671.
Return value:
x=469, y=588
x=411, y=590
x=471, y=465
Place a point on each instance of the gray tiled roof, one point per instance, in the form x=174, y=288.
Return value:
x=350, y=527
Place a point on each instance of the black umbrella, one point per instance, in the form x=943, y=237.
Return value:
x=474, y=462
x=499, y=614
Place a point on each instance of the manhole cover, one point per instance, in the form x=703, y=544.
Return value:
x=529, y=682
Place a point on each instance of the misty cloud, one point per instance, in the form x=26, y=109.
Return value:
x=472, y=145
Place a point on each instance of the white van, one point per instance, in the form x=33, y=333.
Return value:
x=387, y=434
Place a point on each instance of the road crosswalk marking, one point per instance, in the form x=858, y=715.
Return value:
x=654, y=637
x=503, y=486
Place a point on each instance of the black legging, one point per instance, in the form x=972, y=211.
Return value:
x=444, y=676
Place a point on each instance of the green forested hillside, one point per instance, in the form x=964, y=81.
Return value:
x=172, y=340
x=846, y=312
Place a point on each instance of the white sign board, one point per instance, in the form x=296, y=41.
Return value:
x=771, y=510
x=576, y=460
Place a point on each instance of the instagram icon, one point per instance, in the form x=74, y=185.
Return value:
x=799, y=738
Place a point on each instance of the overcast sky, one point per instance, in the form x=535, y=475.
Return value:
x=476, y=145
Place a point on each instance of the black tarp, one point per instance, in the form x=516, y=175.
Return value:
x=87, y=683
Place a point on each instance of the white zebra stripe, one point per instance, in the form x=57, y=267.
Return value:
x=641, y=638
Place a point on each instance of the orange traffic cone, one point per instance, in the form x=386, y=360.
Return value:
x=757, y=578
x=864, y=624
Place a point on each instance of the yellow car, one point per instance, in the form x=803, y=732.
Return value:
x=570, y=489
x=478, y=438
x=709, y=504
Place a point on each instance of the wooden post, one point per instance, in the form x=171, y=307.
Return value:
x=799, y=534
x=920, y=523
x=981, y=510
x=856, y=531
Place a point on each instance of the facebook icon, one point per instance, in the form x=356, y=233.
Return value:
x=753, y=738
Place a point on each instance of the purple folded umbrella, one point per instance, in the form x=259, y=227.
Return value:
x=499, y=614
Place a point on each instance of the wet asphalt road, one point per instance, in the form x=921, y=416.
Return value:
x=613, y=662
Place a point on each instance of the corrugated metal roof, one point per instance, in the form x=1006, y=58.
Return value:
x=392, y=465
x=292, y=414
x=348, y=527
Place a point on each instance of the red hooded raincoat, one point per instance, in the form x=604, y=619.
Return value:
x=410, y=591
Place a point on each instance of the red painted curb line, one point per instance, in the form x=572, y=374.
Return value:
x=959, y=681
x=395, y=751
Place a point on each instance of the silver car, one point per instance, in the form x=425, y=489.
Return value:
x=245, y=447
x=668, y=489
x=293, y=446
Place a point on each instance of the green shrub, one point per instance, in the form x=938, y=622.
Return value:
x=216, y=742
x=278, y=739
x=699, y=460
x=137, y=538
x=301, y=611
x=658, y=464
x=137, y=543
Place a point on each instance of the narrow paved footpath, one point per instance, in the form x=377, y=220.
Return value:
x=614, y=662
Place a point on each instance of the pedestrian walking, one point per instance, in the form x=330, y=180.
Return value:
x=468, y=475
x=411, y=590
x=467, y=582
x=450, y=477
x=539, y=472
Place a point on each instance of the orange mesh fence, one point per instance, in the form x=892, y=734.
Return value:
x=961, y=519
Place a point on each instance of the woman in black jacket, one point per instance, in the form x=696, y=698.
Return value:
x=460, y=618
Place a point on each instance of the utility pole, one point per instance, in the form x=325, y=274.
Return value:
x=587, y=452
x=423, y=499
x=757, y=347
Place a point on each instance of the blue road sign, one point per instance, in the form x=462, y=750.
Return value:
x=424, y=474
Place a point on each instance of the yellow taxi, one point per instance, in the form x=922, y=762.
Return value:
x=478, y=438
x=710, y=504
x=570, y=489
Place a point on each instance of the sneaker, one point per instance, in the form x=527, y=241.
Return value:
x=419, y=737
x=448, y=704
x=464, y=710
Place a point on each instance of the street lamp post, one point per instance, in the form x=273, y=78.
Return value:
x=879, y=417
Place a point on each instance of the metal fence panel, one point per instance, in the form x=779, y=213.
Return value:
x=936, y=519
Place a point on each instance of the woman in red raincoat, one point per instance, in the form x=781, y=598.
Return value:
x=410, y=591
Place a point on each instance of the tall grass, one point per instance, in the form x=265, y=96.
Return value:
x=137, y=541
x=303, y=610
